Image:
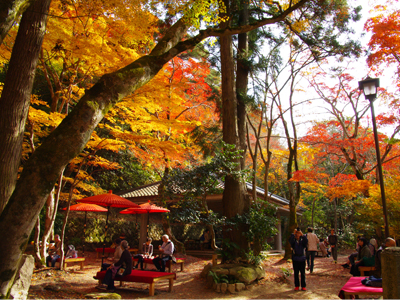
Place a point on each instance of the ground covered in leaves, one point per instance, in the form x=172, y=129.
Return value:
x=72, y=283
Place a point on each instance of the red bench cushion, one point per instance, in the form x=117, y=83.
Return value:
x=137, y=276
x=106, y=250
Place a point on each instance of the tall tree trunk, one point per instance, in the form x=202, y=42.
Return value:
x=242, y=78
x=62, y=235
x=38, y=257
x=14, y=104
x=209, y=226
x=15, y=98
x=165, y=219
x=335, y=210
x=233, y=200
x=48, y=233
x=9, y=11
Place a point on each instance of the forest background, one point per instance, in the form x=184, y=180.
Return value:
x=175, y=121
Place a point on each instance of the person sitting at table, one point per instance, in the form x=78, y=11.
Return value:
x=121, y=268
x=352, y=257
x=377, y=273
x=322, y=247
x=363, y=251
x=147, y=252
x=71, y=253
x=117, y=254
x=54, y=252
x=166, y=249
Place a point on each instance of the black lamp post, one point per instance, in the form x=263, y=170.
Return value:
x=369, y=86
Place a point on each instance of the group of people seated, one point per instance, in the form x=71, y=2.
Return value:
x=123, y=260
x=54, y=251
x=367, y=250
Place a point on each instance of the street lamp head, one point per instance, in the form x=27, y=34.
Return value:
x=369, y=86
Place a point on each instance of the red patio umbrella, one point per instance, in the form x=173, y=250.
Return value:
x=109, y=200
x=145, y=208
x=85, y=207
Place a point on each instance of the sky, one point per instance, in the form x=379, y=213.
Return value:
x=356, y=67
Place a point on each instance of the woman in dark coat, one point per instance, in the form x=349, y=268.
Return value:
x=124, y=264
x=298, y=242
x=363, y=251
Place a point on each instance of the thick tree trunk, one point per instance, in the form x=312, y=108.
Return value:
x=242, y=78
x=233, y=200
x=14, y=104
x=9, y=11
x=15, y=98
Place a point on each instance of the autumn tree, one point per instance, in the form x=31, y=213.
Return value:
x=384, y=45
x=69, y=138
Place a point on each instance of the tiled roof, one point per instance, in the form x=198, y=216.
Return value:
x=151, y=190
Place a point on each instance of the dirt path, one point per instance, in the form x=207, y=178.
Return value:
x=324, y=283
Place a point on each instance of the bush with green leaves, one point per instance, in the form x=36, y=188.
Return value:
x=223, y=278
x=260, y=221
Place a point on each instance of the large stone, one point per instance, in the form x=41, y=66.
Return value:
x=239, y=286
x=224, y=287
x=247, y=275
x=390, y=259
x=206, y=270
x=103, y=296
x=218, y=288
x=21, y=285
x=231, y=288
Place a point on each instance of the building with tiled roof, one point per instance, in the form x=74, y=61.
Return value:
x=149, y=192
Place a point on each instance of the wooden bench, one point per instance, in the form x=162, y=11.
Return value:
x=354, y=287
x=168, y=265
x=67, y=261
x=80, y=260
x=363, y=269
x=149, y=277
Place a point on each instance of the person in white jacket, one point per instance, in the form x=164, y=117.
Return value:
x=312, y=248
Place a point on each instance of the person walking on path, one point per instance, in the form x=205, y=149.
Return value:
x=333, y=241
x=298, y=242
x=312, y=248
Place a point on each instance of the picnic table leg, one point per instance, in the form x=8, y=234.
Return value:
x=182, y=263
x=82, y=262
x=65, y=264
x=171, y=284
x=151, y=289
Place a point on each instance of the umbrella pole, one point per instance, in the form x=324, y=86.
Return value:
x=84, y=236
x=105, y=235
